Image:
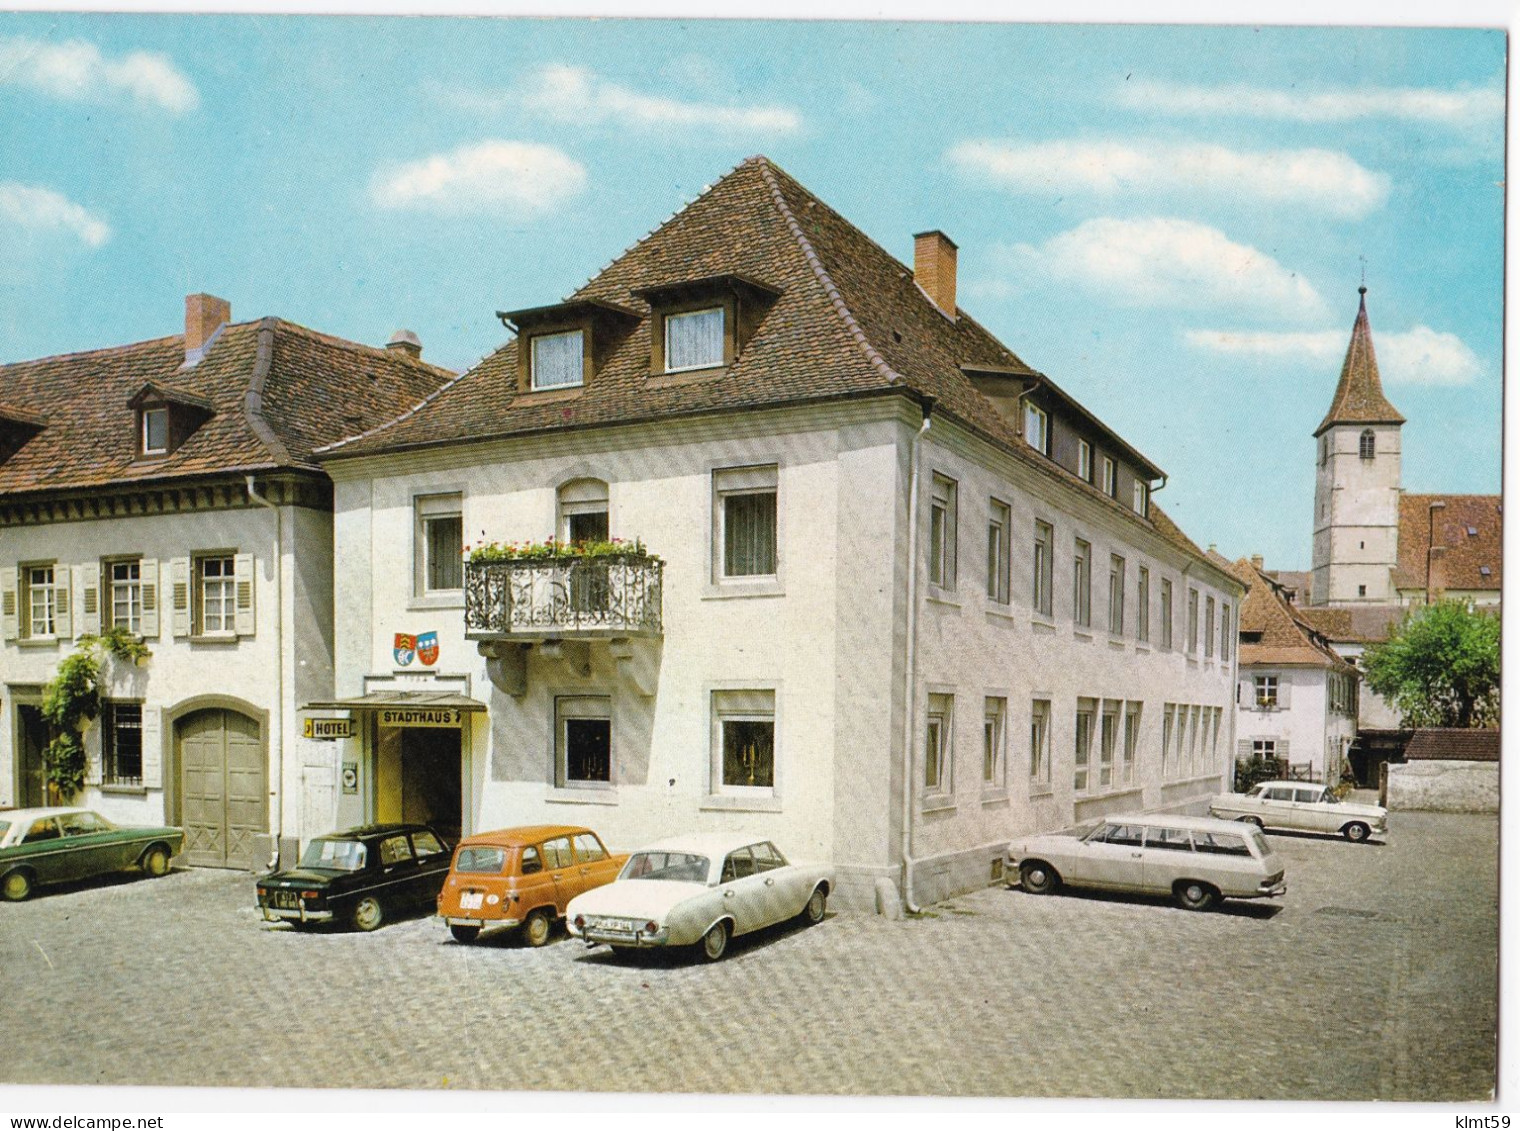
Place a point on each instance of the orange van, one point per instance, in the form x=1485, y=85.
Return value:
x=522, y=877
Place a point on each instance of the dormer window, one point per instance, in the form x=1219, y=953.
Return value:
x=694, y=340
x=1037, y=428
x=155, y=431
x=559, y=360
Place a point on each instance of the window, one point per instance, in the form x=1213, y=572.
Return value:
x=1131, y=743
x=746, y=511
x=440, y=544
x=1039, y=742
x=588, y=849
x=212, y=595
x=1208, y=627
x=583, y=740
x=1368, y=445
x=1324, y=449
x=999, y=551
x=1110, y=478
x=1116, y=595
x=1226, y=633
x=1192, y=622
x=1168, y=724
x=1361, y=591
x=121, y=744
x=942, y=533
x=1266, y=692
x=1044, y=572
x=583, y=511
x=1166, y=613
x=1143, y=606
x=1086, y=708
x=1084, y=460
x=1141, y=496
x=1108, y=742
x=1264, y=748
x=937, y=744
x=39, y=618
x=559, y=360
x=155, y=431
x=994, y=714
x=1081, y=596
x=1037, y=428
x=126, y=595
x=694, y=340
x=744, y=741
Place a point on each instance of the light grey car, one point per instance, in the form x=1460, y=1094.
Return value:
x=1304, y=806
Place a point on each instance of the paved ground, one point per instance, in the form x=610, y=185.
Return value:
x=1375, y=978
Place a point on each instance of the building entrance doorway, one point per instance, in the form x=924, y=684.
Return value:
x=32, y=737
x=418, y=777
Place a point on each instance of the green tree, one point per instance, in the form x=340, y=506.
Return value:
x=1440, y=668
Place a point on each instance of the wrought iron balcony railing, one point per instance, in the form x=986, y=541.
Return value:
x=533, y=598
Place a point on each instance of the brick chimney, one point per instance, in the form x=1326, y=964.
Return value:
x=404, y=341
x=1257, y=561
x=204, y=316
x=934, y=269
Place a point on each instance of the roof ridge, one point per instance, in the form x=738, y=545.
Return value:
x=830, y=288
x=409, y=413
x=349, y=344
x=116, y=349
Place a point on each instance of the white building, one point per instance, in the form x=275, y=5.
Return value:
x=166, y=487
x=911, y=598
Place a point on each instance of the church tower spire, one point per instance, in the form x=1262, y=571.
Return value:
x=1357, y=482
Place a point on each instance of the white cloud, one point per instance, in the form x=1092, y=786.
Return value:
x=76, y=70
x=1420, y=356
x=1166, y=262
x=1306, y=178
x=38, y=209
x=577, y=95
x=488, y=176
x=1461, y=108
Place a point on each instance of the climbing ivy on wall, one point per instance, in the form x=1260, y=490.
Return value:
x=72, y=698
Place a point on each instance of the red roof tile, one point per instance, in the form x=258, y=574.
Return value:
x=1453, y=744
x=1359, y=395
x=1273, y=631
x=1469, y=529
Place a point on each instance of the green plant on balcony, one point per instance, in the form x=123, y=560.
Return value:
x=555, y=550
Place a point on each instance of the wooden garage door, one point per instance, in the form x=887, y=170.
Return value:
x=223, y=787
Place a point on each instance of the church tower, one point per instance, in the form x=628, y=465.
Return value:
x=1356, y=491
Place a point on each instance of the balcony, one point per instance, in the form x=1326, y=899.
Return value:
x=570, y=598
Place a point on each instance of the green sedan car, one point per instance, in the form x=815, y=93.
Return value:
x=51, y=846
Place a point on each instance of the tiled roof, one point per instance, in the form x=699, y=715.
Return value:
x=1359, y=395
x=1453, y=744
x=1469, y=527
x=849, y=321
x=1281, y=635
x=1354, y=624
x=274, y=391
x=1299, y=581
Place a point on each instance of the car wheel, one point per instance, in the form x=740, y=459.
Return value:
x=1250, y=821
x=368, y=914
x=156, y=862
x=816, y=905
x=715, y=942
x=1038, y=877
x=17, y=886
x=1195, y=895
x=536, y=929
x=1356, y=832
x=464, y=934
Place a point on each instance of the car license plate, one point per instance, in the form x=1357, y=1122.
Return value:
x=471, y=900
x=286, y=899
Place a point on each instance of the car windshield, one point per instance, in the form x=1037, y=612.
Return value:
x=1328, y=798
x=336, y=855
x=684, y=867
x=1254, y=835
x=481, y=859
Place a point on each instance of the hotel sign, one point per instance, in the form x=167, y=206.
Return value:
x=421, y=717
x=328, y=730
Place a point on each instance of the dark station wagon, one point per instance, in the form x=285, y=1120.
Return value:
x=360, y=876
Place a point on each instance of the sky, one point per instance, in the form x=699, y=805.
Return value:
x=1169, y=221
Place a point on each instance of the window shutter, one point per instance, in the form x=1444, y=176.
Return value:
x=148, y=572
x=1243, y=750
x=8, y=617
x=179, y=584
x=88, y=584
x=1284, y=692
x=1282, y=749
x=1245, y=694
x=63, y=621
x=242, y=574
x=94, y=753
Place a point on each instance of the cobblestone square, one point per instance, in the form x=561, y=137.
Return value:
x=1374, y=978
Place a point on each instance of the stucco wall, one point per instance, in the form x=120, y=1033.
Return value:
x=1449, y=787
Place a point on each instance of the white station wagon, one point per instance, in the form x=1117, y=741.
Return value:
x=1300, y=805
x=699, y=889
x=1196, y=860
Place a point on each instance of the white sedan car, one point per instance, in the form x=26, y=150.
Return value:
x=1304, y=806
x=699, y=889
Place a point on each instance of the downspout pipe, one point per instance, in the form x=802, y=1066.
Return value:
x=279, y=639
x=910, y=665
